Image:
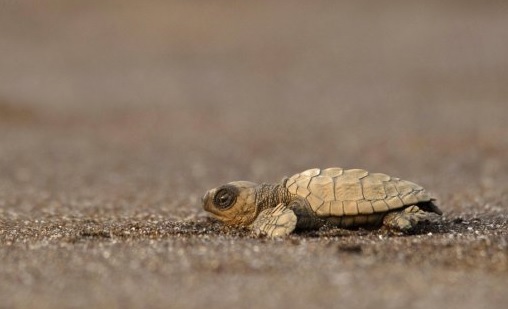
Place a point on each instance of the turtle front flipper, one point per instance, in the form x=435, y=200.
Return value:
x=275, y=222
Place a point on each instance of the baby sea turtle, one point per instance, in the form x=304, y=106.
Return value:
x=316, y=197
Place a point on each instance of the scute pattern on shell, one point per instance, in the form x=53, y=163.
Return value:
x=340, y=192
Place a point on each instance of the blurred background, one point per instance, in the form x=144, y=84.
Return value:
x=188, y=94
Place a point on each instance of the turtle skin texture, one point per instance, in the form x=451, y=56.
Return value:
x=344, y=198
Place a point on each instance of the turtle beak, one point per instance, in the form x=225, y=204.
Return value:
x=204, y=201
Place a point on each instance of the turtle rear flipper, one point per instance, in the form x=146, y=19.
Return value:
x=405, y=220
x=275, y=222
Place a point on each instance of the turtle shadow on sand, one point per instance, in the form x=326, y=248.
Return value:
x=423, y=228
x=438, y=226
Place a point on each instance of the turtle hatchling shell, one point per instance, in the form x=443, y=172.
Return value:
x=340, y=192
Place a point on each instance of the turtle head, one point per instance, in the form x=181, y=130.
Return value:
x=233, y=203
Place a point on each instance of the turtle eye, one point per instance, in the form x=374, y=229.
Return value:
x=225, y=197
